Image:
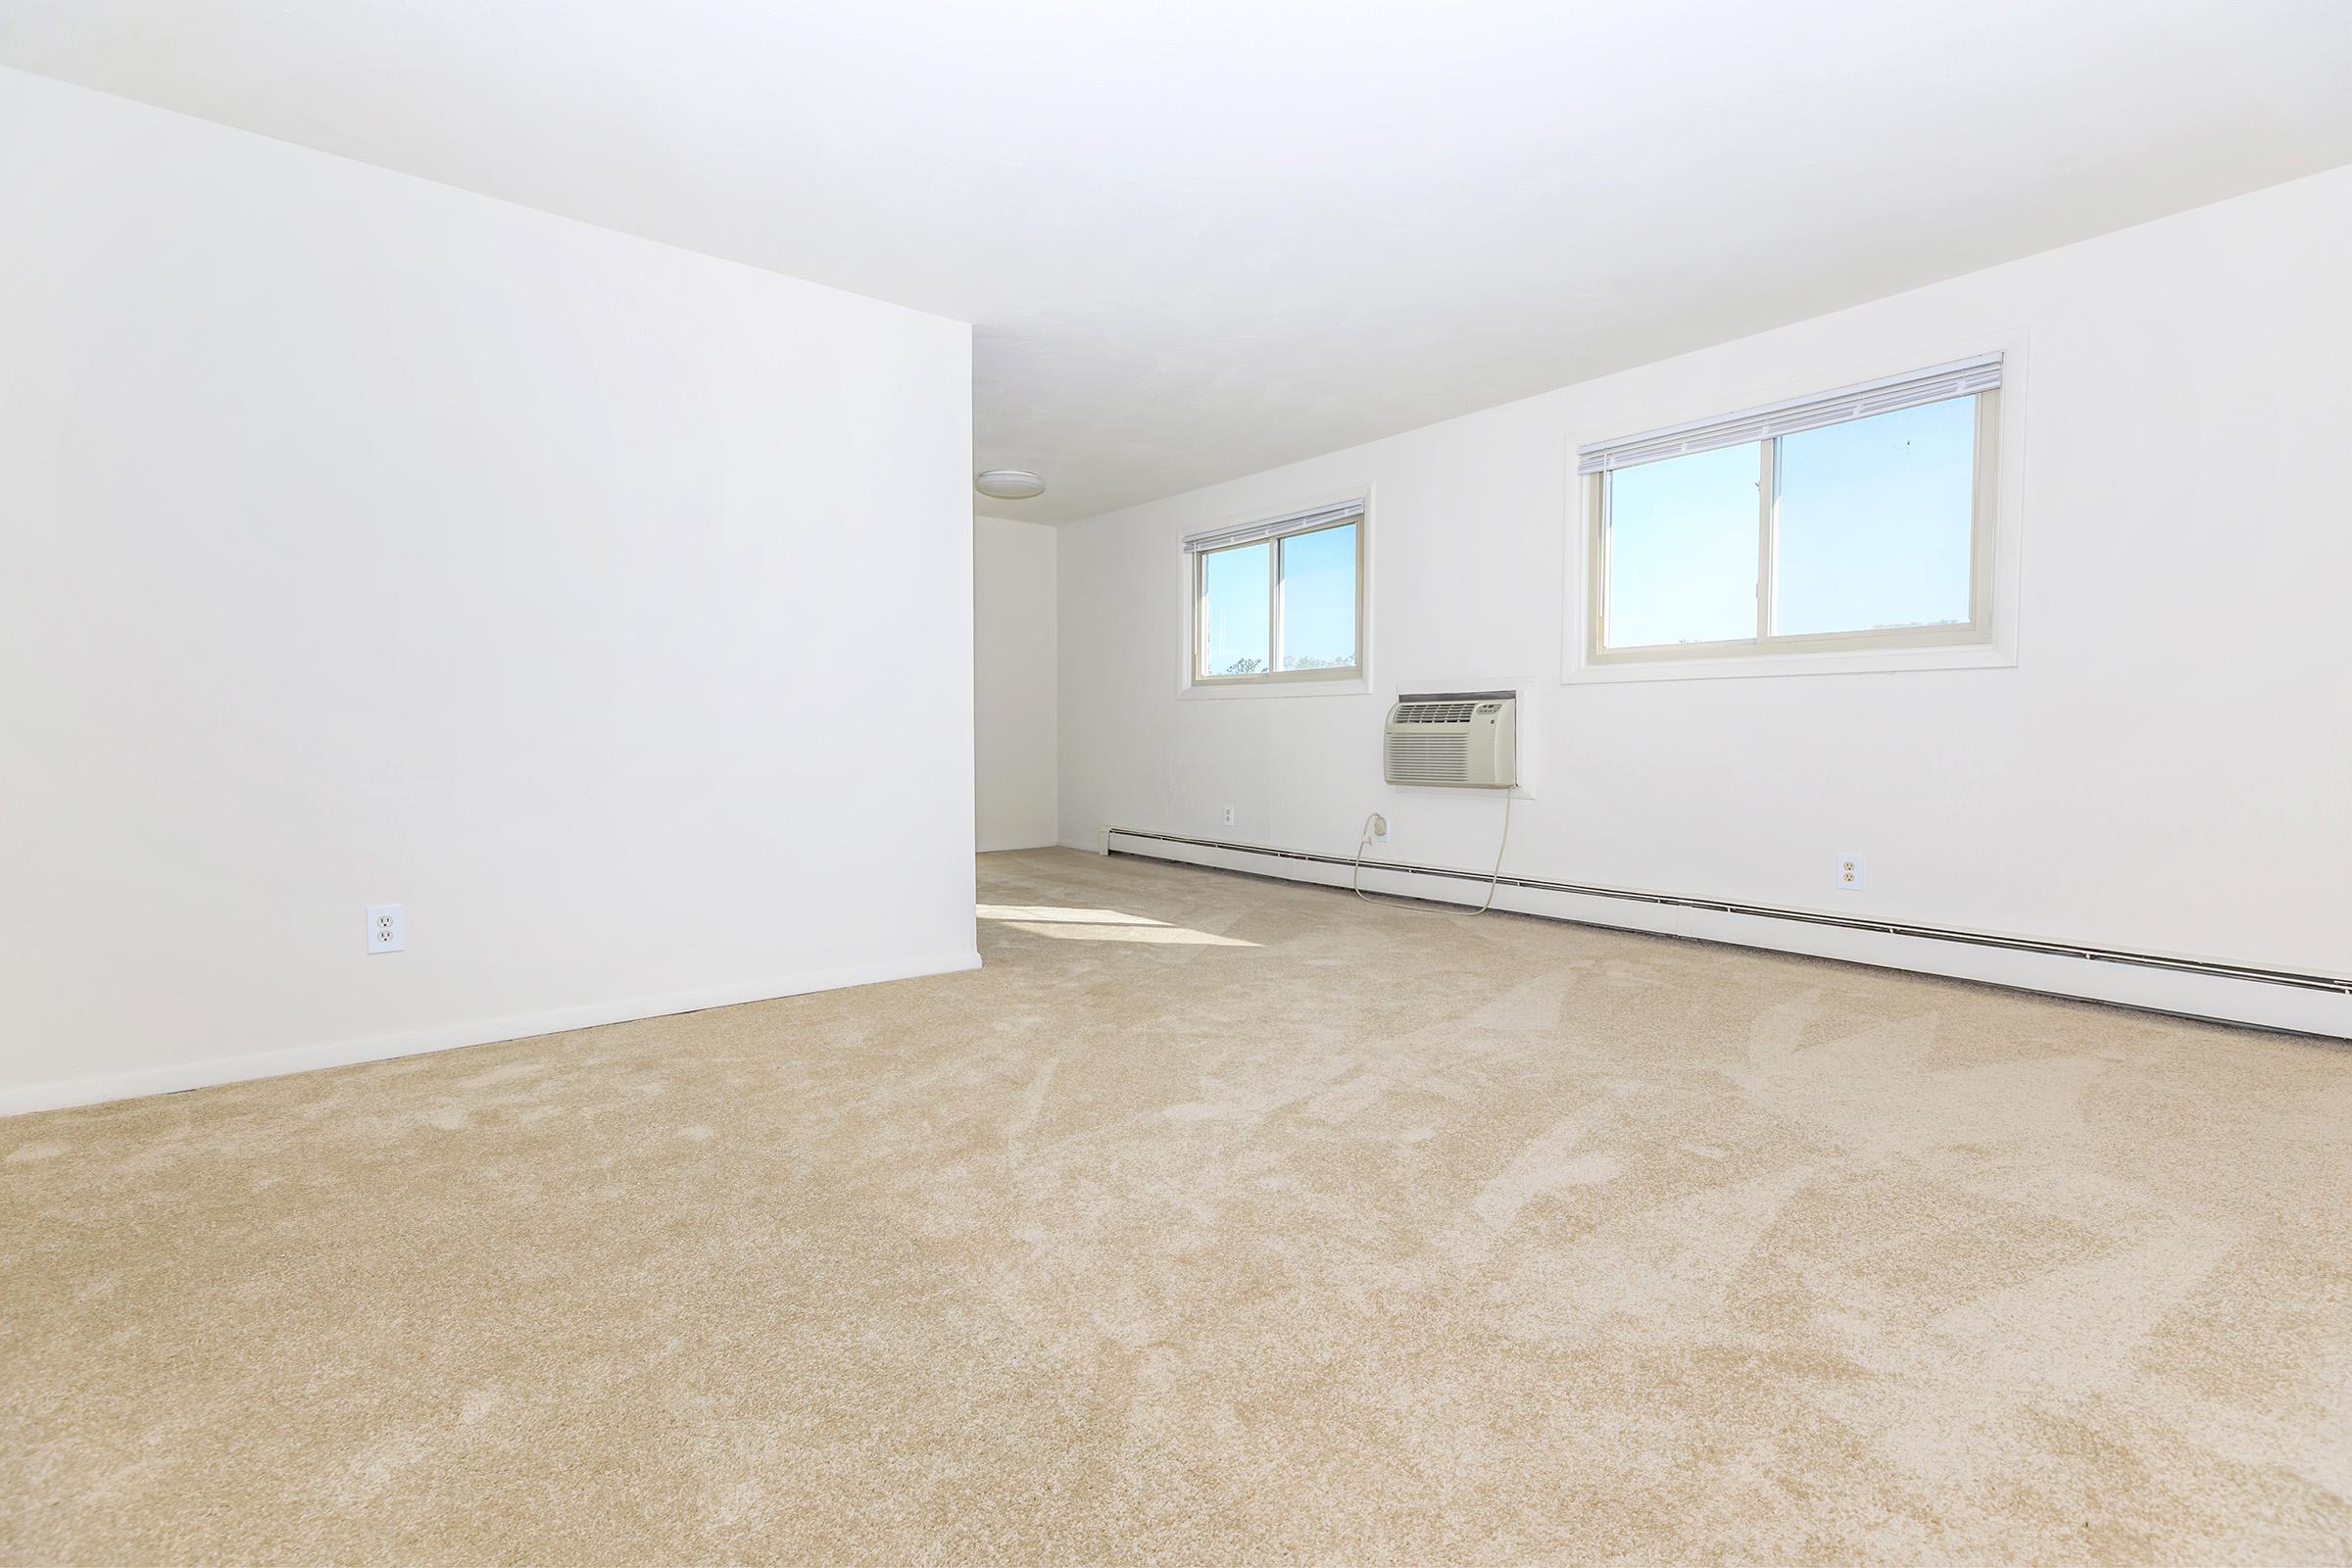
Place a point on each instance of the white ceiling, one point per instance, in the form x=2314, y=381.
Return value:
x=1203, y=238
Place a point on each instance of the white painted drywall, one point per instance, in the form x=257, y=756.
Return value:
x=368, y=541
x=1013, y=717
x=2166, y=768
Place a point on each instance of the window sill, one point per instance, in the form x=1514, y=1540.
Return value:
x=1747, y=666
x=1276, y=688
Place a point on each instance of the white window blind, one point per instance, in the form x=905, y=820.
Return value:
x=1960, y=378
x=1251, y=532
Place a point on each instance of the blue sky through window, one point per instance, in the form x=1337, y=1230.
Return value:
x=1875, y=521
x=1683, y=549
x=1318, y=604
x=1236, y=611
x=1318, y=599
x=1873, y=529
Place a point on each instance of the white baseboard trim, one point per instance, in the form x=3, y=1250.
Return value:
x=2156, y=983
x=21, y=1100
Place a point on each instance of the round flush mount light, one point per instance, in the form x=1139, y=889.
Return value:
x=1009, y=484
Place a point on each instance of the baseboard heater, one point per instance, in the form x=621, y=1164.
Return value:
x=2308, y=1004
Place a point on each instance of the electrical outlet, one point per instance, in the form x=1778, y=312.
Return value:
x=1849, y=872
x=387, y=929
x=1380, y=828
x=1228, y=816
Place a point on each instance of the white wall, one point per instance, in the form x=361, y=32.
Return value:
x=370, y=541
x=1014, y=678
x=2166, y=768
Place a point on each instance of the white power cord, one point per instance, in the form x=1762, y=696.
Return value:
x=1364, y=841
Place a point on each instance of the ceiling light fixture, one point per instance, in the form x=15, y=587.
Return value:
x=1009, y=484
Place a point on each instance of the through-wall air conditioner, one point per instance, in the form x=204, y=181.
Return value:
x=1463, y=740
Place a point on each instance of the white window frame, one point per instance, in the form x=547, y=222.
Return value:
x=1343, y=679
x=1986, y=640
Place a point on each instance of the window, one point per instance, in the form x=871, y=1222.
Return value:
x=1858, y=520
x=1280, y=600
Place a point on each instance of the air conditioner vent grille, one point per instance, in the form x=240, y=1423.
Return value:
x=1434, y=713
x=1428, y=758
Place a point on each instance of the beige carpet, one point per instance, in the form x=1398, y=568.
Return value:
x=1215, y=1221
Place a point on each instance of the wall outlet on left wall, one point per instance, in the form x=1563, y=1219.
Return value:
x=387, y=929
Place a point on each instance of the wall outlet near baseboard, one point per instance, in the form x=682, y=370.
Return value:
x=1228, y=816
x=1849, y=872
x=1380, y=828
x=387, y=929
